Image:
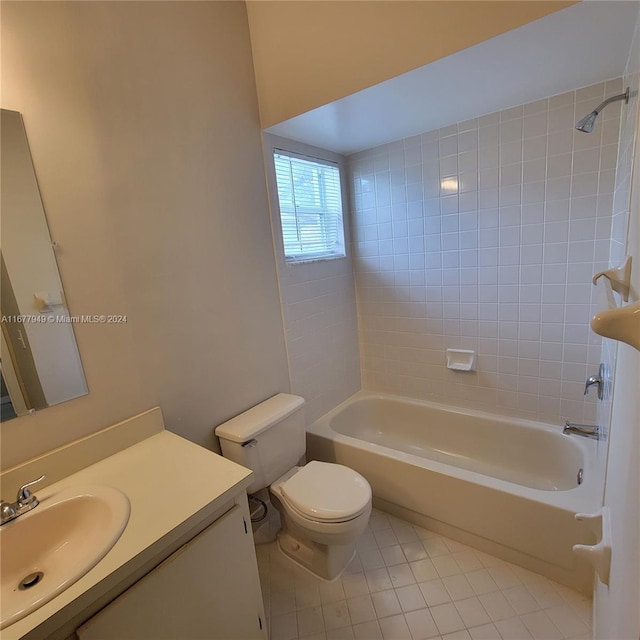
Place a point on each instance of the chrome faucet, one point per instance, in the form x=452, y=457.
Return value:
x=586, y=430
x=598, y=381
x=25, y=501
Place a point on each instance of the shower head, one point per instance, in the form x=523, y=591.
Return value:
x=587, y=123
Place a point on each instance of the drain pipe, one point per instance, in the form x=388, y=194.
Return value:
x=263, y=505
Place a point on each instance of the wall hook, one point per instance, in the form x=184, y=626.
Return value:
x=619, y=277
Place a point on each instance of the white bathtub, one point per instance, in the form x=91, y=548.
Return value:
x=507, y=486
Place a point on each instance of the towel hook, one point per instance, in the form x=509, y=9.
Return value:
x=619, y=277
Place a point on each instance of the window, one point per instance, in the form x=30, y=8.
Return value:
x=310, y=207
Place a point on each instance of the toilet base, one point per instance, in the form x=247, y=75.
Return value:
x=324, y=561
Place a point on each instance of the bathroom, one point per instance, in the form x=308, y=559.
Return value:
x=146, y=141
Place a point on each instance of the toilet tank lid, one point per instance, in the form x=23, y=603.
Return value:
x=254, y=421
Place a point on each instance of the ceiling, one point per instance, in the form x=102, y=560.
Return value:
x=581, y=45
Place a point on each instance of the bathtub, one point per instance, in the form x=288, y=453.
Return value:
x=506, y=486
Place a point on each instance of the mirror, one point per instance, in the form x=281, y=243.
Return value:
x=39, y=361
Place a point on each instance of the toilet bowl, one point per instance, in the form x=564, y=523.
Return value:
x=324, y=507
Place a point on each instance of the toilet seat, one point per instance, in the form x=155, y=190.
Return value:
x=326, y=492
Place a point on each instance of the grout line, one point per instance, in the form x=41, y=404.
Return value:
x=493, y=593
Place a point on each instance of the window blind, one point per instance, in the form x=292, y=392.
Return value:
x=310, y=202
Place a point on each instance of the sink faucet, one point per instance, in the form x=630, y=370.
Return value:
x=25, y=501
x=586, y=430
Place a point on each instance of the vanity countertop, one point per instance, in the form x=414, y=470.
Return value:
x=172, y=484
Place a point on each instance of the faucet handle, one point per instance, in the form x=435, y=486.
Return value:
x=598, y=380
x=25, y=496
x=8, y=510
x=591, y=380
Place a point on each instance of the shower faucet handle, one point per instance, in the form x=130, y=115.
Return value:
x=598, y=380
x=591, y=380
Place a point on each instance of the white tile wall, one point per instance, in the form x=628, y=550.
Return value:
x=621, y=203
x=620, y=219
x=318, y=303
x=319, y=310
x=485, y=235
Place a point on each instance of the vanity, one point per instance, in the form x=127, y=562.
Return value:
x=184, y=564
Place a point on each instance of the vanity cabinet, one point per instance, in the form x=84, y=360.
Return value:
x=208, y=589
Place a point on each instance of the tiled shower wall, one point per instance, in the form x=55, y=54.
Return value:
x=620, y=219
x=621, y=196
x=485, y=236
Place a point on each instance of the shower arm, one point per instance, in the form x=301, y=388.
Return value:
x=623, y=96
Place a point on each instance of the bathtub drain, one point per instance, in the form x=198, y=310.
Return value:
x=30, y=581
x=580, y=476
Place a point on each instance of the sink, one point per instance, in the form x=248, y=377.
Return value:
x=46, y=550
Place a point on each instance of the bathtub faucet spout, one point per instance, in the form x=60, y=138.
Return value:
x=586, y=430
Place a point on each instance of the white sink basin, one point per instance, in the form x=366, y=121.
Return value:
x=46, y=550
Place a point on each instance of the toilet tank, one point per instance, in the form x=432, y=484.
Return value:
x=269, y=438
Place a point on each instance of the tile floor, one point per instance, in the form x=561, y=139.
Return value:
x=409, y=583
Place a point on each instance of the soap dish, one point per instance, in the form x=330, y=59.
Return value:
x=460, y=359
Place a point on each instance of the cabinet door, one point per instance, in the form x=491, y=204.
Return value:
x=208, y=589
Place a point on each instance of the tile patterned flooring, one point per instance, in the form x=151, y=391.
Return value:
x=407, y=583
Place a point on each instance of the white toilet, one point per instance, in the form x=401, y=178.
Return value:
x=324, y=507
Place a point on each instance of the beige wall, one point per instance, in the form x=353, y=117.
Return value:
x=143, y=125
x=307, y=54
x=616, y=606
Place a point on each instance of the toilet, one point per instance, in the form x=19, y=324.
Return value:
x=324, y=507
